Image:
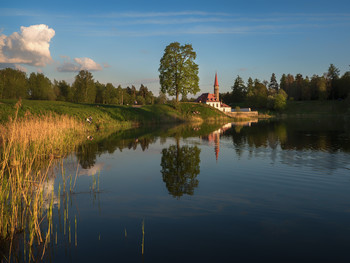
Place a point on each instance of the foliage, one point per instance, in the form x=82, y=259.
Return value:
x=161, y=99
x=84, y=87
x=63, y=91
x=40, y=87
x=273, y=85
x=178, y=73
x=239, y=90
x=257, y=95
x=13, y=84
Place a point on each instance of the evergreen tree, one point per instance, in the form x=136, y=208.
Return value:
x=333, y=76
x=239, y=90
x=273, y=85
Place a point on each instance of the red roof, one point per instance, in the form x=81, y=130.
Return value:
x=216, y=83
x=206, y=97
x=224, y=105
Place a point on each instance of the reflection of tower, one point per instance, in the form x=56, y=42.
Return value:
x=214, y=137
x=216, y=87
x=217, y=144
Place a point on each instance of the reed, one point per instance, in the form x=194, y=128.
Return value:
x=28, y=148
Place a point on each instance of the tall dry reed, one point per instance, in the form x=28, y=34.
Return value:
x=28, y=149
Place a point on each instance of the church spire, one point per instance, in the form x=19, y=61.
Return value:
x=216, y=83
x=216, y=87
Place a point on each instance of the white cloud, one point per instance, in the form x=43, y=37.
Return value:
x=79, y=64
x=31, y=46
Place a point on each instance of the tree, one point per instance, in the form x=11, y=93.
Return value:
x=84, y=87
x=13, y=84
x=180, y=167
x=40, y=87
x=178, y=73
x=109, y=94
x=344, y=85
x=333, y=76
x=273, y=85
x=280, y=100
x=63, y=91
x=239, y=90
x=161, y=99
x=257, y=95
x=100, y=89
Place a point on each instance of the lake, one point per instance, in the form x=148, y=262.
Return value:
x=274, y=191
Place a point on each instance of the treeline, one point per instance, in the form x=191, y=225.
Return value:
x=15, y=84
x=273, y=95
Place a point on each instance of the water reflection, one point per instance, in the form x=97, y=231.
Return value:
x=295, y=141
x=260, y=197
x=180, y=167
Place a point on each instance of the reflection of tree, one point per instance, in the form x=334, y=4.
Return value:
x=86, y=155
x=180, y=167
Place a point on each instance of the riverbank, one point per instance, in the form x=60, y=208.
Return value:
x=104, y=116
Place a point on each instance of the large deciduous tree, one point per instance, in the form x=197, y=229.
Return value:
x=178, y=71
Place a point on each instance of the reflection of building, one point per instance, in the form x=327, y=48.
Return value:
x=214, y=138
x=213, y=99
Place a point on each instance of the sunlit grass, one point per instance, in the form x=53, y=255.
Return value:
x=29, y=147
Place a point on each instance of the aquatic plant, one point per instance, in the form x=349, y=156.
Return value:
x=29, y=148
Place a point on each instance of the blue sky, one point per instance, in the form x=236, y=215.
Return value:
x=122, y=41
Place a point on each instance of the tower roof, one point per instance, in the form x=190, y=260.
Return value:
x=216, y=83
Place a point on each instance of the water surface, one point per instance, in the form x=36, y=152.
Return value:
x=274, y=191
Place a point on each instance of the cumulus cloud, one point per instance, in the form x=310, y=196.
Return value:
x=31, y=46
x=79, y=64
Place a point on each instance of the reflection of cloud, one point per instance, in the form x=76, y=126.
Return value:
x=30, y=46
x=93, y=170
x=48, y=190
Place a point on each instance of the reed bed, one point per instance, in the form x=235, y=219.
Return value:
x=29, y=146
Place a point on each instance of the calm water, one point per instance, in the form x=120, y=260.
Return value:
x=275, y=191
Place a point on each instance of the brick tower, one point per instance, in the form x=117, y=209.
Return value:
x=216, y=87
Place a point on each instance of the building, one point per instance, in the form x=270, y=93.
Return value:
x=212, y=99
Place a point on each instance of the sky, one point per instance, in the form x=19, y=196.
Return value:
x=122, y=42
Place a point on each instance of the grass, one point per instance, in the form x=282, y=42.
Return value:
x=29, y=146
x=111, y=115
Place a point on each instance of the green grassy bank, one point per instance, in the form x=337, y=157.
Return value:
x=111, y=115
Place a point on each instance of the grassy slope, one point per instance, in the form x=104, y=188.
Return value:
x=113, y=115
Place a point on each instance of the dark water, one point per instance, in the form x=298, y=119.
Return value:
x=276, y=191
